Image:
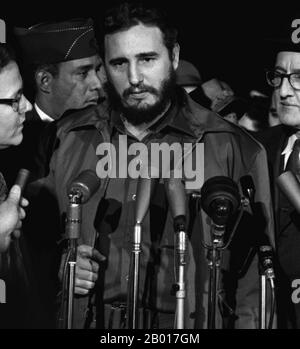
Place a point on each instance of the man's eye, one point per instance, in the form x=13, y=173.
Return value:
x=118, y=64
x=277, y=74
x=147, y=59
x=296, y=77
x=83, y=74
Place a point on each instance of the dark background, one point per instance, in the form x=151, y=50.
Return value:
x=224, y=40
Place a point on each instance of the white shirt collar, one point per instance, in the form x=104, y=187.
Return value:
x=43, y=115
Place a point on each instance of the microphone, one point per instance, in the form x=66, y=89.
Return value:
x=143, y=196
x=79, y=192
x=266, y=261
x=177, y=201
x=84, y=185
x=220, y=199
x=144, y=192
x=290, y=186
x=22, y=179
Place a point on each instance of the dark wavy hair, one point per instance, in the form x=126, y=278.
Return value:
x=126, y=15
x=7, y=55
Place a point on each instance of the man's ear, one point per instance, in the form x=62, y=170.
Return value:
x=44, y=80
x=175, y=56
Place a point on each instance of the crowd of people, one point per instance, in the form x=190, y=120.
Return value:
x=96, y=104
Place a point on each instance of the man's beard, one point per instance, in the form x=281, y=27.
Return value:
x=145, y=114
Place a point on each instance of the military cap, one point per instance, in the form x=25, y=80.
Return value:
x=55, y=42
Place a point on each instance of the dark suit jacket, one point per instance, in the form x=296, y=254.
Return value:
x=37, y=248
x=287, y=227
x=274, y=140
x=23, y=155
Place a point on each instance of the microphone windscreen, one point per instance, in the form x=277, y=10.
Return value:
x=220, y=198
x=145, y=187
x=87, y=183
x=176, y=196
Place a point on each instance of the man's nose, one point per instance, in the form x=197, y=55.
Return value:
x=135, y=76
x=286, y=90
x=25, y=105
x=95, y=83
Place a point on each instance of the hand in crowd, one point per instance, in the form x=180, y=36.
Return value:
x=87, y=266
x=11, y=215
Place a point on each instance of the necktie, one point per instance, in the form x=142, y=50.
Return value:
x=293, y=163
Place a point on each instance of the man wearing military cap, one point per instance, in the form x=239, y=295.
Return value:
x=62, y=61
x=60, y=65
x=65, y=61
x=280, y=143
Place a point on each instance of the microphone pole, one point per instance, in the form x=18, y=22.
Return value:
x=176, y=197
x=73, y=225
x=214, y=258
x=267, y=274
x=248, y=189
x=81, y=189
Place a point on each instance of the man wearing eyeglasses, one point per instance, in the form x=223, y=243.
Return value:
x=13, y=106
x=16, y=312
x=281, y=143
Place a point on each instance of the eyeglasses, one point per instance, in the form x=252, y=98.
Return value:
x=274, y=79
x=13, y=102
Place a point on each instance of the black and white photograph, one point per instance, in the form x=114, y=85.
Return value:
x=149, y=168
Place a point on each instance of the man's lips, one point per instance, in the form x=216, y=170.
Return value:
x=288, y=105
x=138, y=95
x=93, y=100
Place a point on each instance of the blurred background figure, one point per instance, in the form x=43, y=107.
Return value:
x=188, y=77
x=255, y=117
x=224, y=101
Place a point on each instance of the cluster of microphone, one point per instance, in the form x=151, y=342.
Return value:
x=220, y=200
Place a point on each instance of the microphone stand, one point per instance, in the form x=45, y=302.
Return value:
x=133, y=293
x=214, y=258
x=144, y=190
x=73, y=223
x=266, y=272
x=262, y=301
x=180, y=286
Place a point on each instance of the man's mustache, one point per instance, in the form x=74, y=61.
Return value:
x=141, y=89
